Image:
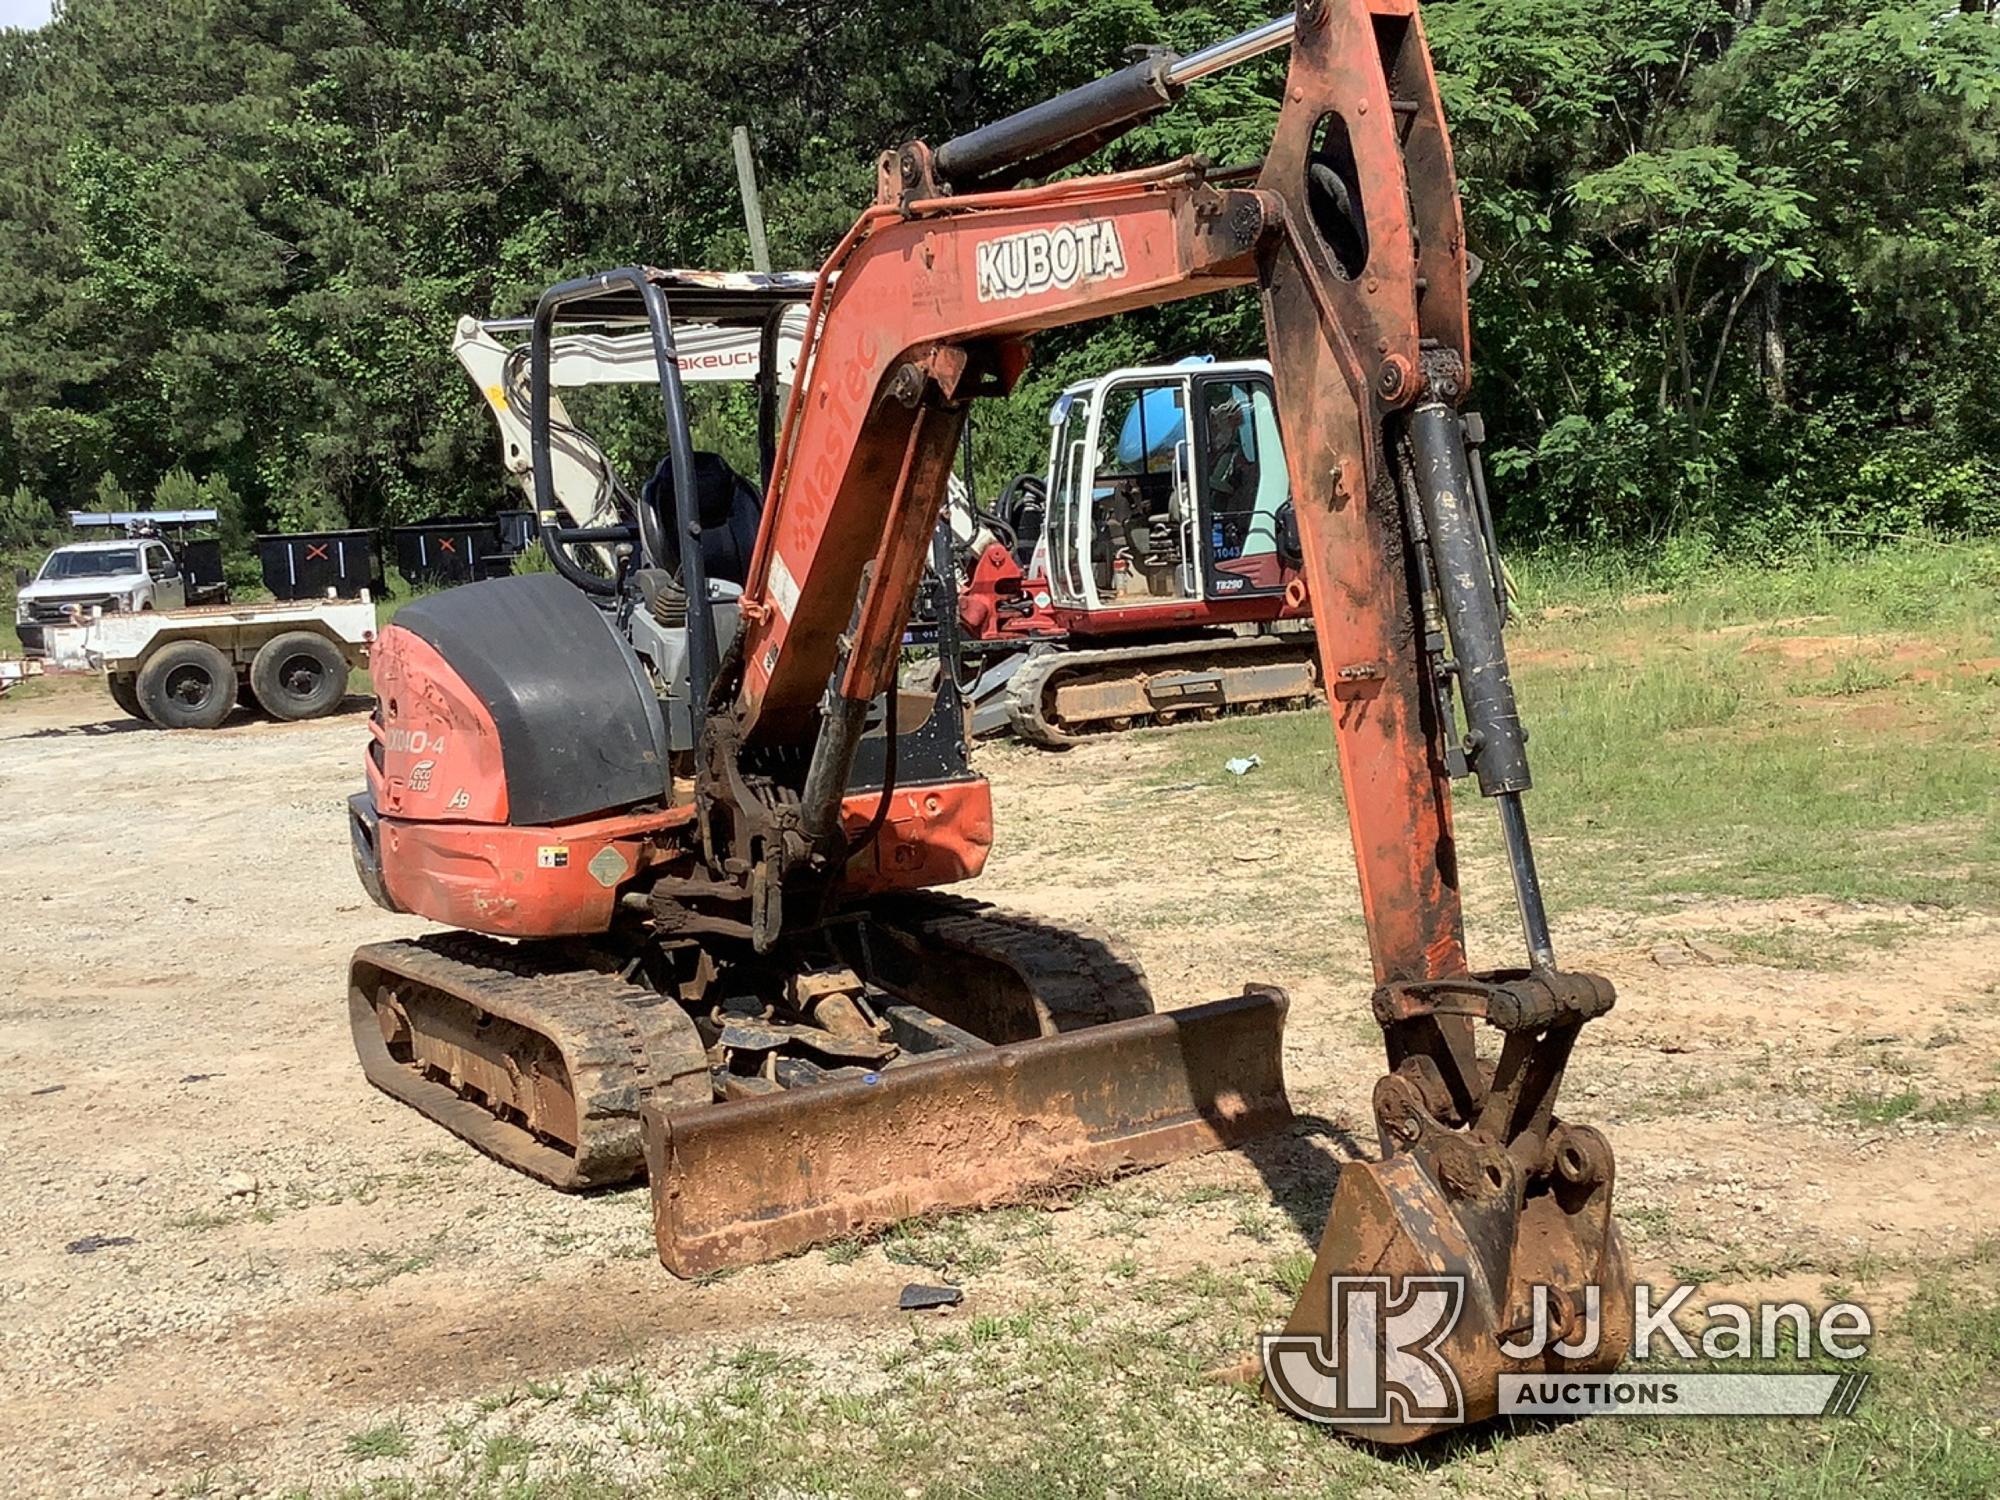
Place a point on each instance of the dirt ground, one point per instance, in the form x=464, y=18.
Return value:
x=227, y=1254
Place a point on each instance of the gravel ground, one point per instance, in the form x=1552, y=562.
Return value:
x=230, y=1255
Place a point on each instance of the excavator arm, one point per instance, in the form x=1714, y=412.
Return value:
x=1351, y=232
x=763, y=1002
x=929, y=302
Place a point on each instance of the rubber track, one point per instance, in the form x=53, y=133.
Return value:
x=1028, y=688
x=621, y=1045
x=1082, y=975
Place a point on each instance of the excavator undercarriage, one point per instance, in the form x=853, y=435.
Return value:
x=1056, y=698
x=987, y=1055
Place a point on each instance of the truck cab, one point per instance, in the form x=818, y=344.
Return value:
x=126, y=575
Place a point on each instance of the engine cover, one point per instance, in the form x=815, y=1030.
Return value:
x=513, y=701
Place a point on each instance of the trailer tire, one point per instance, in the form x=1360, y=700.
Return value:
x=187, y=685
x=299, y=675
x=124, y=690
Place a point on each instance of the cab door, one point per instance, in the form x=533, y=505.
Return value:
x=1246, y=545
x=1059, y=555
x=1139, y=536
x=169, y=588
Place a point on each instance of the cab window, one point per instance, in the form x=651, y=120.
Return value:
x=1244, y=485
x=1140, y=513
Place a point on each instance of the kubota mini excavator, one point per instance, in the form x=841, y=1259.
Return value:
x=684, y=782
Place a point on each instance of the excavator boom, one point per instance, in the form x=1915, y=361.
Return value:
x=1352, y=233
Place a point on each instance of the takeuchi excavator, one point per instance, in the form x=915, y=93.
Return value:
x=694, y=837
x=1152, y=574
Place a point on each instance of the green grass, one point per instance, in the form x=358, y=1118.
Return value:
x=1925, y=1429
x=1063, y=1401
x=1677, y=752
x=953, y=1246
x=1909, y=1104
x=388, y=1440
x=1920, y=585
x=361, y=1270
x=1880, y=1109
x=1958, y=1111
x=1789, y=948
x=504, y=1451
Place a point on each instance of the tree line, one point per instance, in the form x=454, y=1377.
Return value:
x=1741, y=258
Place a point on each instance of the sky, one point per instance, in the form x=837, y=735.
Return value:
x=23, y=12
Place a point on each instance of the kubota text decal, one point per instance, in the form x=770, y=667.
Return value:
x=1041, y=260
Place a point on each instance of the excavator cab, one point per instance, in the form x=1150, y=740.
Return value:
x=1167, y=484
x=1163, y=583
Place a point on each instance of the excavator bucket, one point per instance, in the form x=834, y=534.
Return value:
x=968, y=1125
x=1393, y=1222
x=1481, y=1246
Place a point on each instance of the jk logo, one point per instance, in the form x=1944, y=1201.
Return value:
x=1378, y=1360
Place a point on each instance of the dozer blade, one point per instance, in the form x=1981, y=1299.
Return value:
x=1481, y=1248
x=753, y=1179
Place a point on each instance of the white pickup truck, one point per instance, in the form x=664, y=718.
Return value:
x=123, y=575
x=128, y=575
x=188, y=668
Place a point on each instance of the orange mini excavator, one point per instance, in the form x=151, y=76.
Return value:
x=694, y=829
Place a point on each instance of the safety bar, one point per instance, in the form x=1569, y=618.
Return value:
x=703, y=659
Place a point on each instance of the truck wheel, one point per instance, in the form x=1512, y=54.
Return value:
x=299, y=676
x=124, y=688
x=187, y=685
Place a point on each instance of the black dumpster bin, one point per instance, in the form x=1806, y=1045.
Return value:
x=446, y=552
x=305, y=564
x=518, y=531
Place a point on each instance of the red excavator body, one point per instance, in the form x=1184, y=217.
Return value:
x=683, y=775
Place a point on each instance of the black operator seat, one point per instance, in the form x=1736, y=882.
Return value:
x=728, y=506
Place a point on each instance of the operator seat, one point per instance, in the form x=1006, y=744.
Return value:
x=728, y=506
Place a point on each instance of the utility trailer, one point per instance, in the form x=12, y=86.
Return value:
x=188, y=668
x=13, y=672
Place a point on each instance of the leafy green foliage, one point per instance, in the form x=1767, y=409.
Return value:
x=1742, y=260
x=1740, y=263
x=25, y=519
x=237, y=236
